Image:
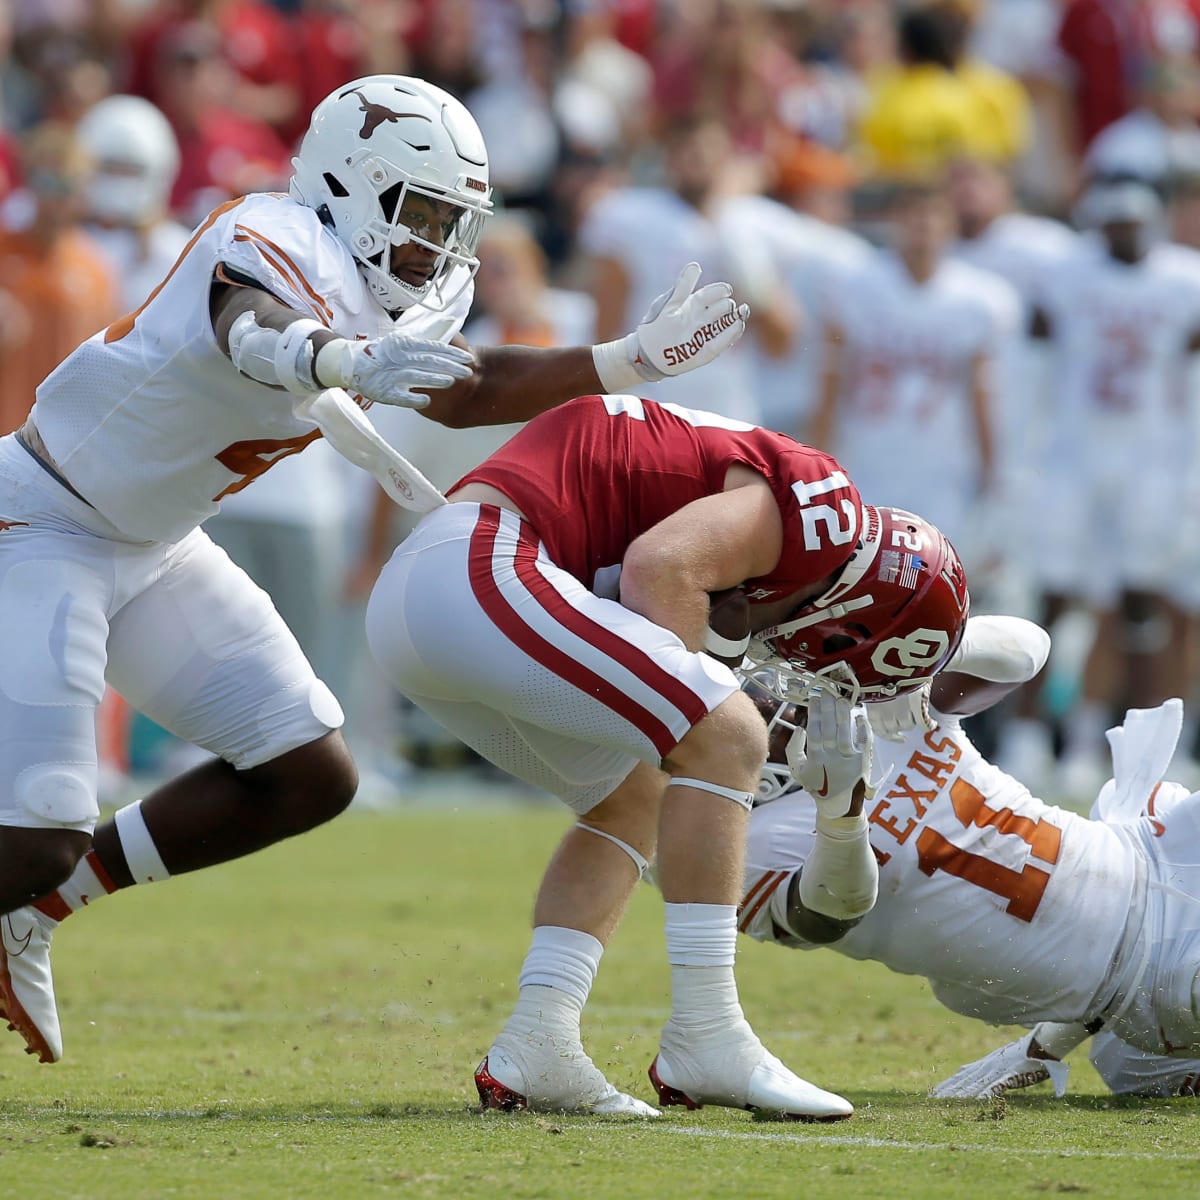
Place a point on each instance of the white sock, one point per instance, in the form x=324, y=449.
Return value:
x=701, y=946
x=141, y=854
x=556, y=977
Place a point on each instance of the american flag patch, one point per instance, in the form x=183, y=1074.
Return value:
x=910, y=570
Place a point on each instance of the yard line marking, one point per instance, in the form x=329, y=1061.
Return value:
x=920, y=1147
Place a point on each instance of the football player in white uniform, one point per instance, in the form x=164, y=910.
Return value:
x=1124, y=324
x=359, y=279
x=907, y=401
x=981, y=884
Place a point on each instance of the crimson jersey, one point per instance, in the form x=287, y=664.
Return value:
x=593, y=474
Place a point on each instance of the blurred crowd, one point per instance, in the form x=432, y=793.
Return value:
x=969, y=232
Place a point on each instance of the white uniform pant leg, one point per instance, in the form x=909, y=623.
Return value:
x=1162, y=1016
x=519, y=660
x=203, y=652
x=1131, y=1072
x=53, y=622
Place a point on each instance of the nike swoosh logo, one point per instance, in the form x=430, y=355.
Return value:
x=823, y=790
x=13, y=938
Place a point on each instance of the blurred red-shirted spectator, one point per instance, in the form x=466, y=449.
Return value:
x=727, y=65
x=222, y=153
x=256, y=40
x=1110, y=44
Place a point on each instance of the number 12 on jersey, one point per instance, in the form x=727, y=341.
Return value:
x=824, y=524
x=1022, y=889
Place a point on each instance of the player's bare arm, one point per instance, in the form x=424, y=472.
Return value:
x=824, y=420
x=713, y=543
x=684, y=328
x=981, y=414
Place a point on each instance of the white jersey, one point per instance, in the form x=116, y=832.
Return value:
x=981, y=885
x=1121, y=336
x=150, y=421
x=654, y=234
x=906, y=431
x=1024, y=250
x=811, y=256
x=1020, y=248
x=141, y=260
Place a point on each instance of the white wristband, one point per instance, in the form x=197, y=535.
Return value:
x=332, y=365
x=725, y=647
x=616, y=365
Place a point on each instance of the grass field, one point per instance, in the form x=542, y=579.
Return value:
x=305, y=1023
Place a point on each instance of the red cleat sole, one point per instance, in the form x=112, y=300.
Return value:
x=667, y=1095
x=493, y=1094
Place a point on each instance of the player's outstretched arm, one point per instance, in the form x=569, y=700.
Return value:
x=831, y=759
x=1029, y=1060
x=996, y=655
x=685, y=328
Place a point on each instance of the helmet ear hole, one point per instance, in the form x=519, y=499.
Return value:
x=335, y=186
x=836, y=643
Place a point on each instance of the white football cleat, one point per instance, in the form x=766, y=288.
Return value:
x=550, y=1077
x=26, y=982
x=735, y=1070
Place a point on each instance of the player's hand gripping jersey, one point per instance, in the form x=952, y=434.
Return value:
x=595, y=473
x=149, y=420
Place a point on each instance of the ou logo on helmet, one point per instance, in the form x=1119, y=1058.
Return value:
x=917, y=651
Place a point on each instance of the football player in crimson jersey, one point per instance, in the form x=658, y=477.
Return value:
x=553, y=617
x=361, y=279
x=982, y=884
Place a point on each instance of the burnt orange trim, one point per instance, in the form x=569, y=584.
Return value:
x=123, y=325
x=53, y=906
x=297, y=274
x=767, y=893
x=97, y=866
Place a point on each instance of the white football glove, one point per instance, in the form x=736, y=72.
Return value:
x=388, y=368
x=892, y=719
x=833, y=753
x=1004, y=1070
x=683, y=329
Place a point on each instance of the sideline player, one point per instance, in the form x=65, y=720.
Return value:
x=981, y=886
x=360, y=278
x=499, y=616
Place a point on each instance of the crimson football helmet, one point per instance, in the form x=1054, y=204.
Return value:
x=891, y=621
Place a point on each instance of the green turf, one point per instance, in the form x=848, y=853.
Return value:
x=305, y=1024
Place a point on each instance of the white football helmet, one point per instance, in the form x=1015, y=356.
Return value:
x=135, y=160
x=375, y=147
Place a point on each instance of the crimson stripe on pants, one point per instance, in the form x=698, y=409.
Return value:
x=634, y=660
x=532, y=643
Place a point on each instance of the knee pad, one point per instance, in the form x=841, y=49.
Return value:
x=59, y=795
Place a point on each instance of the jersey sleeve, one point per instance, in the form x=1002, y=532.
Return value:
x=284, y=246
x=822, y=520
